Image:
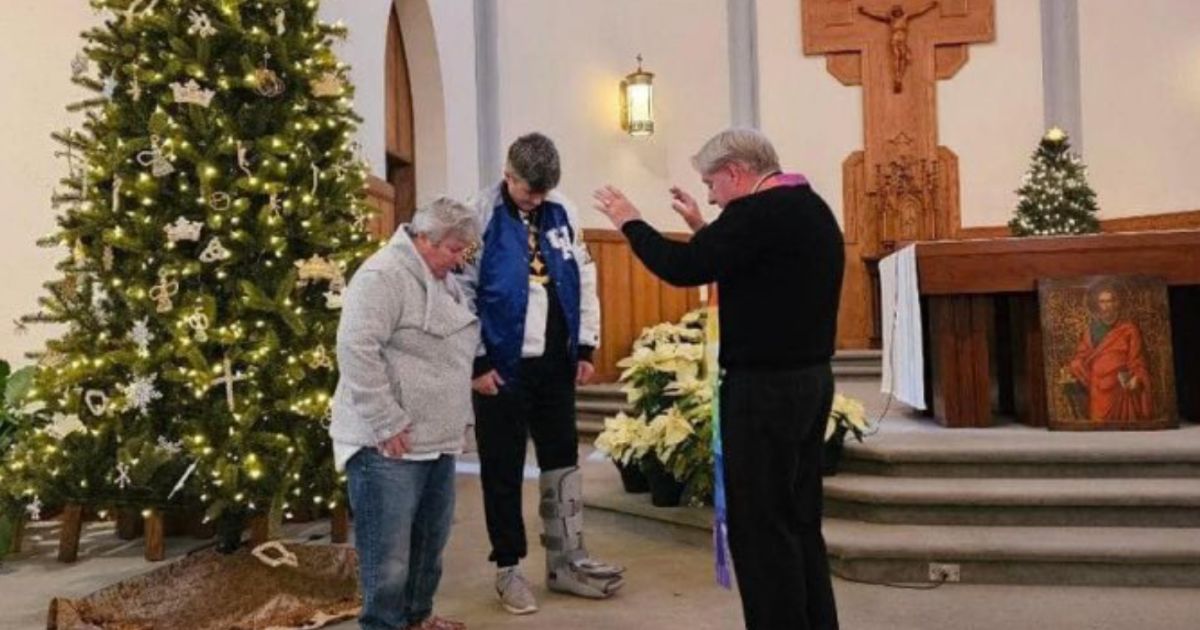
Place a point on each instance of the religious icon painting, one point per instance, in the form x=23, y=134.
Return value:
x=1107, y=350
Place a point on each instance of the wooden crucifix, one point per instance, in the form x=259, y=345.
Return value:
x=902, y=186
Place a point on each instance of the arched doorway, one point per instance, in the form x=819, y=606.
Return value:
x=400, y=168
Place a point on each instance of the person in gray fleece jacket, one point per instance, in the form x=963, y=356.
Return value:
x=405, y=346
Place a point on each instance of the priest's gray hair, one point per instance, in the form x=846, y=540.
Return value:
x=748, y=147
x=444, y=217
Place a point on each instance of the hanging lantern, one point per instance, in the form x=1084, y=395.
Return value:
x=637, y=102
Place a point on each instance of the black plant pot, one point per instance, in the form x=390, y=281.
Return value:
x=632, y=478
x=831, y=454
x=230, y=525
x=665, y=490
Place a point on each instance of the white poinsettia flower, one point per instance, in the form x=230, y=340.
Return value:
x=639, y=357
x=851, y=414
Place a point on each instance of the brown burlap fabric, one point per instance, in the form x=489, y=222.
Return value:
x=209, y=591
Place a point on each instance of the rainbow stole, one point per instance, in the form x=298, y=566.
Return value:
x=712, y=371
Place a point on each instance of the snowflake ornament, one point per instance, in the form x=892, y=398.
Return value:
x=200, y=25
x=141, y=335
x=140, y=393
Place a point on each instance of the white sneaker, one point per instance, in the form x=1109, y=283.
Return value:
x=515, y=594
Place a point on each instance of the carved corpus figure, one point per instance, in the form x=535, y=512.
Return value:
x=897, y=20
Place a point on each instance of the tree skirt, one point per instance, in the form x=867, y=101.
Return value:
x=210, y=591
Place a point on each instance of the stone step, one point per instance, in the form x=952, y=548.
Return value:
x=891, y=553
x=856, y=371
x=1015, y=501
x=607, y=407
x=1112, y=556
x=1027, y=452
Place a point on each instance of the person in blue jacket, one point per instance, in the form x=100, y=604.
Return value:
x=534, y=288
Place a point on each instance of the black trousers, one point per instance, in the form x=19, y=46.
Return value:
x=540, y=404
x=773, y=427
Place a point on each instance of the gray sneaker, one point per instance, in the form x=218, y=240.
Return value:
x=515, y=594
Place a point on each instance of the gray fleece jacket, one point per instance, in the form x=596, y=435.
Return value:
x=405, y=345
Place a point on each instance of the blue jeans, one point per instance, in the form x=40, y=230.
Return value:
x=402, y=515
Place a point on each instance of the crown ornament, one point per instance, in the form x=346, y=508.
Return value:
x=192, y=93
x=183, y=230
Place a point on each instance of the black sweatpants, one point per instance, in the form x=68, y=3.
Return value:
x=540, y=404
x=773, y=427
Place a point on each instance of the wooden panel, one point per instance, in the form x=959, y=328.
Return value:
x=644, y=298
x=1185, y=333
x=616, y=312
x=1163, y=222
x=398, y=93
x=1189, y=220
x=673, y=301
x=400, y=147
x=1015, y=264
x=1029, y=375
x=631, y=298
x=382, y=197
x=961, y=375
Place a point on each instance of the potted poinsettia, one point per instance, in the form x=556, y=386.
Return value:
x=683, y=443
x=626, y=441
x=663, y=354
x=846, y=416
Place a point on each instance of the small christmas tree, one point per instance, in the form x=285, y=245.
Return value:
x=1054, y=195
x=214, y=210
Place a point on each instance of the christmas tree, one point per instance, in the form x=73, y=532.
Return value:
x=1054, y=196
x=213, y=211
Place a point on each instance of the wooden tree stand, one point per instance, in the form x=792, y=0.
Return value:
x=155, y=526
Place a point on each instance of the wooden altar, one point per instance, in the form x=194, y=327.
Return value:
x=983, y=343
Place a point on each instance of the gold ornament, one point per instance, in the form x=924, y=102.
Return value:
x=329, y=85
x=268, y=83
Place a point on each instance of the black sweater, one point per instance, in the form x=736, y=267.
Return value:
x=778, y=259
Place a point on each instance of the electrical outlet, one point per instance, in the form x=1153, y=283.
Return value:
x=944, y=572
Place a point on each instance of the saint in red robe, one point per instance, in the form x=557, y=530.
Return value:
x=1114, y=372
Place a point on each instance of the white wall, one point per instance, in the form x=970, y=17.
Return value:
x=813, y=120
x=1140, y=70
x=991, y=113
x=560, y=64
x=37, y=42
